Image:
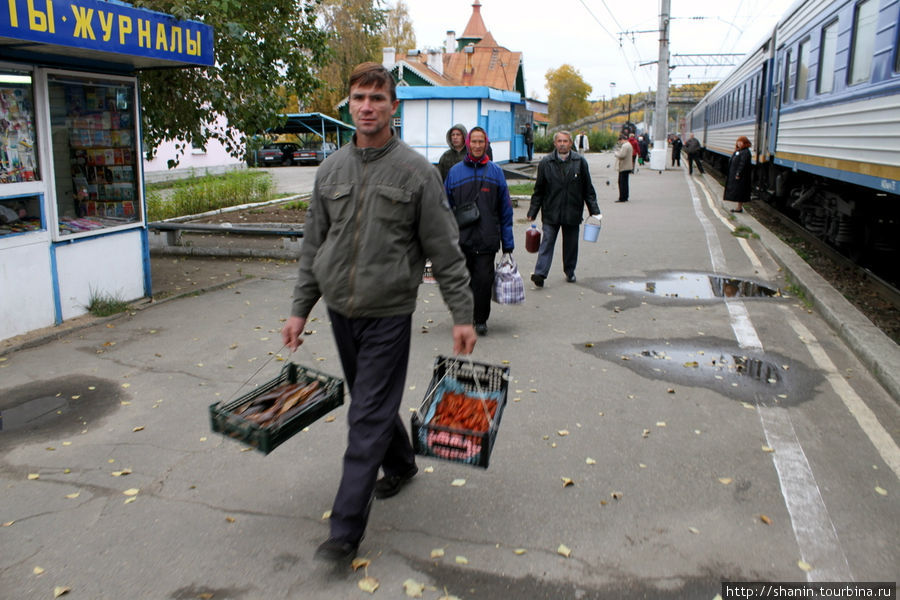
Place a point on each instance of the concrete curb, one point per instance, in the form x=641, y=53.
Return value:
x=872, y=347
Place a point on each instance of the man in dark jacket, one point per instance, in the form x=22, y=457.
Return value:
x=377, y=209
x=693, y=149
x=477, y=180
x=456, y=139
x=562, y=189
x=528, y=136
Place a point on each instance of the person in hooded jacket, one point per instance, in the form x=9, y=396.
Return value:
x=737, y=186
x=456, y=139
x=477, y=179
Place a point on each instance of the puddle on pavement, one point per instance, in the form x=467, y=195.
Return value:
x=693, y=286
x=751, y=376
x=61, y=405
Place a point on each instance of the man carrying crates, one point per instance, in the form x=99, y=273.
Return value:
x=377, y=210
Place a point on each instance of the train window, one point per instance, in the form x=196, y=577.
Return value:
x=786, y=88
x=802, y=70
x=827, y=53
x=864, y=23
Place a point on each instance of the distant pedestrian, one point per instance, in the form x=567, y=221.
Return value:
x=581, y=143
x=456, y=139
x=694, y=150
x=528, y=135
x=644, y=145
x=635, y=151
x=737, y=186
x=676, y=151
x=377, y=209
x=561, y=191
x=624, y=164
x=477, y=180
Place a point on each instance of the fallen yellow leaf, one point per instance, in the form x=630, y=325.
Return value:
x=120, y=473
x=413, y=588
x=519, y=551
x=329, y=419
x=37, y=570
x=359, y=563
x=563, y=432
x=765, y=519
x=660, y=423
x=693, y=530
x=428, y=469
x=138, y=428
x=590, y=461
x=230, y=519
x=326, y=515
x=725, y=480
x=437, y=553
x=564, y=550
x=73, y=495
x=804, y=565
x=617, y=495
x=881, y=490
x=33, y=476
x=458, y=482
x=567, y=482
x=61, y=590
x=368, y=584
x=130, y=500
x=461, y=560
x=768, y=449
x=131, y=492
x=8, y=524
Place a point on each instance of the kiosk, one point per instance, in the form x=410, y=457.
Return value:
x=72, y=216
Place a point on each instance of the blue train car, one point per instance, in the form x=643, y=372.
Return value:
x=824, y=121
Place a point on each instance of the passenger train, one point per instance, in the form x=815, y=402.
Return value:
x=819, y=98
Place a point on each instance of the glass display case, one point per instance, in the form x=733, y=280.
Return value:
x=93, y=131
x=20, y=211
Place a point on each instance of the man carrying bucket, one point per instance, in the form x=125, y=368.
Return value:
x=562, y=189
x=377, y=209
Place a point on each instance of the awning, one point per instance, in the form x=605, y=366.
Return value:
x=316, y=124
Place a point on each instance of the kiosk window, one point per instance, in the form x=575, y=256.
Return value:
x=18, y=150
x=95, y=157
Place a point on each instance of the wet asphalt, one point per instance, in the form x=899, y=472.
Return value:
x=705, y=436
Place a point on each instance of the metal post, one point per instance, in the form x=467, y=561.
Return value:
x=658, y=155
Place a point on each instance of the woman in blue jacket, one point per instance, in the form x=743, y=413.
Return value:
x=476, y=180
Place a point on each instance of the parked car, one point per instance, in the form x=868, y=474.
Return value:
x=314, y=152
x=277, y=153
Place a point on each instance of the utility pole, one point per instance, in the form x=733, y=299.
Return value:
x=658, y=155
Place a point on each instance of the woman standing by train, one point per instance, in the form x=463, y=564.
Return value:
x=737, y=186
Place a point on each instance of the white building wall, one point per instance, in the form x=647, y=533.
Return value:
x=26, y=288
x=212, y=159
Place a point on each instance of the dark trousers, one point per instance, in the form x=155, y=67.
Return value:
x=481, y=280
x=530, y=148
x=548, y=243
x=374, y=354
x=694, y=158
x=623, y=185
x=676, y=159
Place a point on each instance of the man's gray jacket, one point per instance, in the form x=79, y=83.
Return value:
x=374, y=215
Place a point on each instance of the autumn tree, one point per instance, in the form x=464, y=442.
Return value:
x=265, y=52
x=568, y=95
x=398, y=29
x=354, y=30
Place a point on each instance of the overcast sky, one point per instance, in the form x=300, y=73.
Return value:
x=586, y=34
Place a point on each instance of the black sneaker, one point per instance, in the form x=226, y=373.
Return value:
x=570, y=278
x=537, y=279
x=335, y=550
x=481, y=328
x=390, y=485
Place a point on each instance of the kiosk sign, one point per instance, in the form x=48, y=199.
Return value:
x=107, y=27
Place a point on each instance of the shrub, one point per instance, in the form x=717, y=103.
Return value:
x=543, y=143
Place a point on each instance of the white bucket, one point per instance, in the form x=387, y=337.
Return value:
x=591, y=230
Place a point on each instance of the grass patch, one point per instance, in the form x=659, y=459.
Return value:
x=797, y=292
x=744, y=232
x=105, y=304
x=211, y=192
x=521, y=189
x=296, y=205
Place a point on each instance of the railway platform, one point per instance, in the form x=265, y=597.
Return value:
x=684, y=414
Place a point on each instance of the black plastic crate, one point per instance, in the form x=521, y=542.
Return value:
x=460, y=445
x=266, y=439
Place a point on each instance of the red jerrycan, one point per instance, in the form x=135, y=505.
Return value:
x=532, y=239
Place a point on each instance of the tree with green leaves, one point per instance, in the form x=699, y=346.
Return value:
x=353, y=29
x=568, y=95
x=398, y=30
x=265, y=52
